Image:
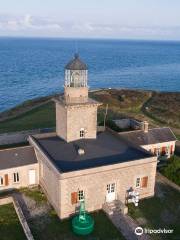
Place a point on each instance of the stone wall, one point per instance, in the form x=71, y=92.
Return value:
x=48, y=177
x=81, y=117
x=23, y=176
x=94, y=184
x=128, y=123
x=19, y=137
x=71, y=119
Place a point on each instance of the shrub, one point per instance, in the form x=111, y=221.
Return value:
x=172, y=170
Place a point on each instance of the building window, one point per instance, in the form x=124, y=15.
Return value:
x=111, y=188
x=141, y=182
x=82, y=133
x=16, y=177
x=138, y=182
x=80, y=195
x=1, y=181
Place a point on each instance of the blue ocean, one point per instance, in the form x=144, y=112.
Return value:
x=31, y=68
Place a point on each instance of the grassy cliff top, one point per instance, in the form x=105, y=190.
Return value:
x=160, y=109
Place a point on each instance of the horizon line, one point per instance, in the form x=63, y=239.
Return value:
x=90, y=38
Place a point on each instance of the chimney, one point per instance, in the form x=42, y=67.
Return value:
x=145, y=126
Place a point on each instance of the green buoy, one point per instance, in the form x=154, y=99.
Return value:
x=83, y=223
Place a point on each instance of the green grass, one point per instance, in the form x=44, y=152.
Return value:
x=40, y=117
x=161, y=211
x=178, y=136
x=172, y=170
x=49, y=226
x=52, y=228
x=10, y=227
x=162, y=108
x=35, y=194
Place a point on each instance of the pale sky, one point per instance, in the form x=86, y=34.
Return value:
x=124, y=19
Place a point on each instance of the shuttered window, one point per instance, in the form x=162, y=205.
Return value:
x=144, y=182
x=6, y=179
x=74, y=197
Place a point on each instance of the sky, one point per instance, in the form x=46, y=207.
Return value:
x=119, y=19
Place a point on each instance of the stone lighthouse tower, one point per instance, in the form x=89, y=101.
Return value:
x=76, y=113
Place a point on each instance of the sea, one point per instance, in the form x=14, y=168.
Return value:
x=34, y=67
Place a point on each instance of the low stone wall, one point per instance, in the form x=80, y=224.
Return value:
x=22, y=136
x=22, y=219
x=6, y=200
x=167, y=181
x=128, y=123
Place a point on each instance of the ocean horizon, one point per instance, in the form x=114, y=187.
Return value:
x=34, y=67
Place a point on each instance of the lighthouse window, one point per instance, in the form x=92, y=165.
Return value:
x=82, y=134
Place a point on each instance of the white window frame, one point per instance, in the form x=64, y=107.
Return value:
x=138, y=182
x=110, y=187
x=80, y=195
x=82, y=133
x=16, y=177
x=1, y=181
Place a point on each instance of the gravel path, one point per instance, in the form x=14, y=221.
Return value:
x=30, y=207
x=127, y=226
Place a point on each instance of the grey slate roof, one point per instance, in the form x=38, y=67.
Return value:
x=107, y=149
x=76, y=64
x=153, y=136
x=17, y=157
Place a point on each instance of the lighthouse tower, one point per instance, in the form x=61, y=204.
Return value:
x=76, y=113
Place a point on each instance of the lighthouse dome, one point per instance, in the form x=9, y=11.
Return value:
x=76, y=64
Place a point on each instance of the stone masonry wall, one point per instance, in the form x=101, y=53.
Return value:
x=23, y=176
x=61, y=121
x=94, y=185
x=81, y=117
x=49, y=179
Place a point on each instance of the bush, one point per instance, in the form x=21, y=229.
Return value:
x=172, y=170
